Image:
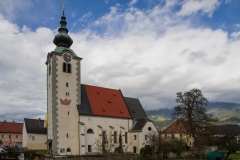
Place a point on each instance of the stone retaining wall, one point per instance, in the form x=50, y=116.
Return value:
x=88, y=157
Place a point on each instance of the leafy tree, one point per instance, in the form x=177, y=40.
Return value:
x=153, y=141
x=191, y=108
x=166, y=146
x=228, y=143
x=153, y=144
x=179, y=146
x=119, y=149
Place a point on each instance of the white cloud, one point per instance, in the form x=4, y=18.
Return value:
x=133, y=2
x=73, y=14
x=237, y=25
x=193, y=6
x=151, y=54
x=83, y=18
x=9, y=8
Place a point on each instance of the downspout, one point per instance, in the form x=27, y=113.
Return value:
x=79, y=137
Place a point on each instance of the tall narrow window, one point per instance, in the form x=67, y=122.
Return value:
x=103, y=136
x=67, y=135
x=9, y=136
x=16, y=136
x=146, y=137
x=180, y=135
x=115, y=137
x=66, y=84
x=134, y=149
x=33, y=138
x=135, y=137
x=69, y=68
x=126, y=137
x=64, y=67
x=89, y=148
x=49, y=70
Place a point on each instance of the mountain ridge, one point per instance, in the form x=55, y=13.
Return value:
x=226, y=112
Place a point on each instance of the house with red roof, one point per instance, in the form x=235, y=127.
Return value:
x=180, y=129
x=80, y=115
x=11, y=133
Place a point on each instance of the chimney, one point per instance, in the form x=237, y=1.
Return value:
x=5, y=120
x=39, y=119
x=13, y=121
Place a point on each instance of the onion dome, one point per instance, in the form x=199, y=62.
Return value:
x=62, y=38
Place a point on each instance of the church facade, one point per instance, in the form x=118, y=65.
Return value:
x=82, y=118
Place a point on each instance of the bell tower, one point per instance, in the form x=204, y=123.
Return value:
x=63, y=94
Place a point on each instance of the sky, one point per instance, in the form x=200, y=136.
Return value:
x=150, y=49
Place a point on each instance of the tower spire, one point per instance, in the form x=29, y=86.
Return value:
x=62, y=39
x=63, y=6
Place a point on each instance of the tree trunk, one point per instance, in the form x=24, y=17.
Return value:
x=228, y=153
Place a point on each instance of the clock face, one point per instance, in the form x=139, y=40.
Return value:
x=67, y=57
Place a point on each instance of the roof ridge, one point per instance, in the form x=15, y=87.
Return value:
x=100, y=87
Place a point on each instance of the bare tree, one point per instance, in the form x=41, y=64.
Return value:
x=153, y=141
x=191, y=108
x=104, y=144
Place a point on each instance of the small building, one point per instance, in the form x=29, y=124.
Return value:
x=34, y=134
x=179, y=129
x=11, y=133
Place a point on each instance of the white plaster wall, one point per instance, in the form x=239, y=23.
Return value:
x=67, y=124
x=145, y=131
x=49, y=105
x=185, y=136
x=134, y=142
x=38, y=143
x=39, y=138
x=93, y=122
x=24, y=136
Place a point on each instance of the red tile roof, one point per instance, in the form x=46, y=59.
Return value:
x=107, y=102
x=11, y=127
x=178, y=126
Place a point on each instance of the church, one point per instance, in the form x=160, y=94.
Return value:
x=79, y=116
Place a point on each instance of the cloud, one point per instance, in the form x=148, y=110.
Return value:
x=133, y=2
x=73, y=14
x=9, y=8
x=22, y=82
x=83, y=18
x=150, y=54
x=193, y=6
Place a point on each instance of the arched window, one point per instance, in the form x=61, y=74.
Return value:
x=90, y=131
x=64, y=67
x=68, y=150
x=69, y=68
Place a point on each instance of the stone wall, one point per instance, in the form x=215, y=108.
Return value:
x=89, y=157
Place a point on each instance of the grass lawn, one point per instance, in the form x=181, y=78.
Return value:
x=234, y=156
x=42, y=151
x=230, y=157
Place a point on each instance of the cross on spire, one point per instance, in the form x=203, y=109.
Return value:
x=63, y=5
